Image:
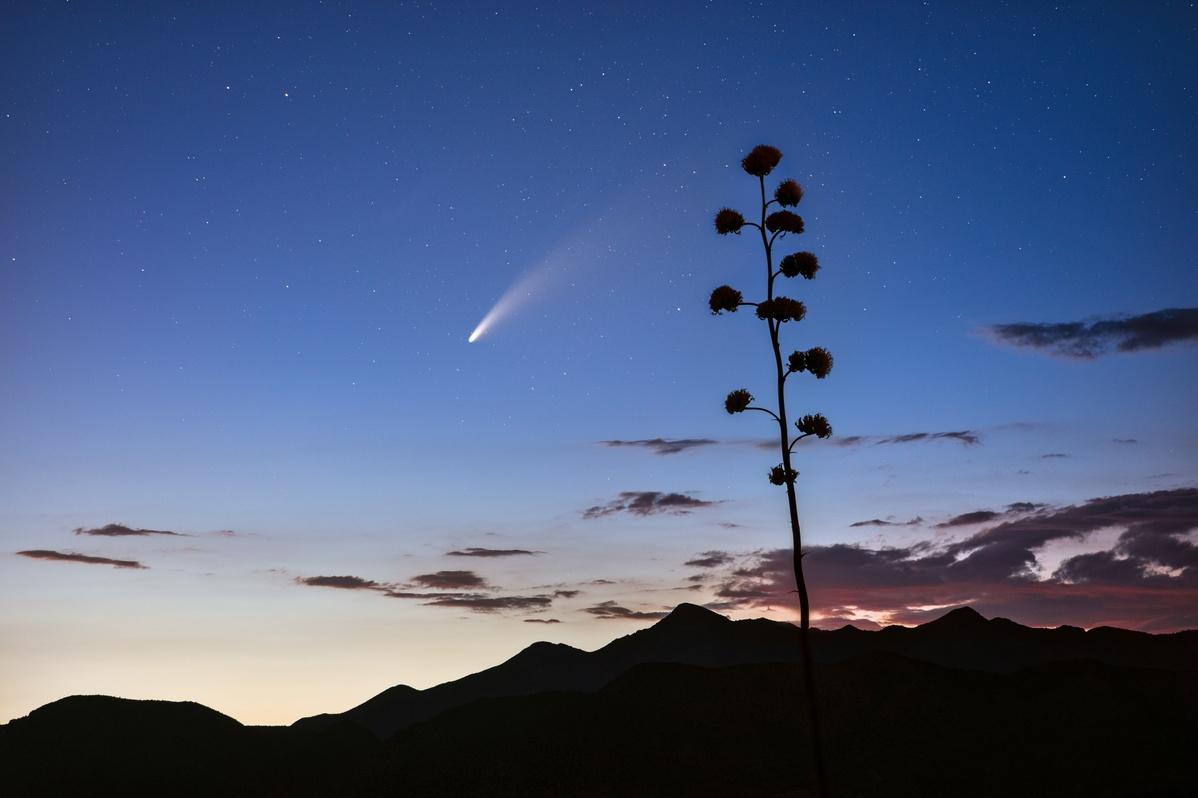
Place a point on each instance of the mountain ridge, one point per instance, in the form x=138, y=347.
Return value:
x=694, y=635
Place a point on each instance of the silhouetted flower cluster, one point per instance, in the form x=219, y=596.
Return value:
x=797, y=263
x=761, y=160
x=788, y=193
x=725, y=298
x=817, y=360
x=738, y=401
x=728, y=221
x=784, y=222
x=781, y=308
x=780, y=475
x=815, y=425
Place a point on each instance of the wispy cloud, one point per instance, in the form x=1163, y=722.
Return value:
x=968, y=519
x=442, y=589
x=475, y=602
x=710, y=559
x=648, y=502
x=478, y=551
x=120, y=530
x=964, y=437
x=342, y=582
x=70, y=556
x=611, y=610
x=916, y=521
x=450, y=580
x=1086, y=340
x=663, y=445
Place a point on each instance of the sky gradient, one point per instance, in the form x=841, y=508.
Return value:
x=243, y=251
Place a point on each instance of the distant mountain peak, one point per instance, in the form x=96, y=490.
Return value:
x=545, y=652
x=960, y=618
x=686, y=614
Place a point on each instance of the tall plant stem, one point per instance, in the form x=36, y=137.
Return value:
x=821, y=786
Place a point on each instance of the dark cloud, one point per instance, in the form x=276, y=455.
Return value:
x=648, y=502
x=966, y=519
x=475, y=602
x=663, y=445
x=478, y=551
x=1052, y=455
x=450, y=580
x=1148, y=579
x=964, y=437
x=541, y=620
x=481, y=603
x=1087, y=340
x=120, y=530
x=612, y=610
x=710, y=559
x=569, y=594
x=916, y=521
x=986, y=516
x=440, y=591
x=343, y=582
x=70, y=556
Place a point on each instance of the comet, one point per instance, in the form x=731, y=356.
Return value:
x=586, y=246
x=520, y=293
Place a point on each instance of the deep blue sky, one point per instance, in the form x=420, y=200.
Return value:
x=242, y=251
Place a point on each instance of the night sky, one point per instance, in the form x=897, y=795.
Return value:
x=248, y=458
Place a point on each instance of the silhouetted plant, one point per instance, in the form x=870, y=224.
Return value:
x=776, y=311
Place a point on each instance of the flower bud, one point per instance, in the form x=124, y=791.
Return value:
x=818, y=361
x=814, y=425
x=797, y=361
x=780, y=475
x=761, y=160
x=784, y=222
x=728, y=221
x=788, y=193
x=738, y=401
x=724, y=298
x=781, y=309
x=797, y=263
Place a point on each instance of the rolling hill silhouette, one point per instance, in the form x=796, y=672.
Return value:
x=695, y=705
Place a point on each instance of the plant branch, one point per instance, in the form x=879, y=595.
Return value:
x=766, y=410
x=796, y=440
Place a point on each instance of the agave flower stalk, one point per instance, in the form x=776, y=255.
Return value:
x=775, y=310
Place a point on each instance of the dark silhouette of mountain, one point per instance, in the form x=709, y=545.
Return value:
x=894, y=727
x=100, y=745
x=695, y=705
x=693, y=635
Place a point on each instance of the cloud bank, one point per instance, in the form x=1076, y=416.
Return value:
x=120, y=530
x=662, y=445
x=70, y=556
x=1086, y=340
x=648, y=502
x=1147, y=579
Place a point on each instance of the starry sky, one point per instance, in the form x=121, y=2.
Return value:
x=248, y=457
